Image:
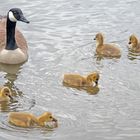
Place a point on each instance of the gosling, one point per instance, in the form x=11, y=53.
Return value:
x=5, y=94
x=80, y=81
x=23, y=119
x=134, y=44
x=106, y=50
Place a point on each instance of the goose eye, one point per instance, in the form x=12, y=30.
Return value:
x=14, y=12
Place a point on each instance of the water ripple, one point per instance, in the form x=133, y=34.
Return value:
x=60, y=38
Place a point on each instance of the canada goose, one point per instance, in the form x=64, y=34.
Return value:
x=79, y=81
x=5, y=94
x=134, y=44
x=13, y=46
x=23, y=119
x=106, y=50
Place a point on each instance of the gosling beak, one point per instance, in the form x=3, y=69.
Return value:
x=94, y=38
x=96, y=82
x=11, y=98
x=23, y=19
x=54, y=120
x=129, y=42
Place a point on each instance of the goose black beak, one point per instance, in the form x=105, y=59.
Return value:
x=23, y=19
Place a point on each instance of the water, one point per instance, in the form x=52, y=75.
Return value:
x=60, y=39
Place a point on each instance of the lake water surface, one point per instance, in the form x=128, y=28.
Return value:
x=60, y=39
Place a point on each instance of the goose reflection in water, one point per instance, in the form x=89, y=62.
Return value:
x=11, y=73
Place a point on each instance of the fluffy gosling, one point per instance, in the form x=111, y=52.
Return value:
x=134, y=44
x=5, y=94
x=106, y=50
x=80, y=81
x=23, y=119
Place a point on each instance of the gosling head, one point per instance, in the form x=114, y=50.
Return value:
x=93, y=77
x=15, y=14
x=6, y=93
x=99, y=38
x=133, y=40
x=47, y=117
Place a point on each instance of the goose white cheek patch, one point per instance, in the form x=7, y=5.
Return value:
x=12, y=17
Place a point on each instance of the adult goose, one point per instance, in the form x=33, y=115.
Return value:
x=13, y=46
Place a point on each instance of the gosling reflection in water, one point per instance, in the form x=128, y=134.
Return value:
x=92, y=90
x=4, y=106
x=23, y=119
x=82, y=82
x=133, y=56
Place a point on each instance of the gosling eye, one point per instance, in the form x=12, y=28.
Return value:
x=6, y=94
x=50, y=117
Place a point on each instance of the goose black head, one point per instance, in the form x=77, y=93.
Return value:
x=15, y=14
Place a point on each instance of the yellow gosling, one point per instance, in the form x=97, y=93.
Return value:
x=23, y=119
x=5, y=94
x=134, y=44
x=106, y=50
x=79, y=81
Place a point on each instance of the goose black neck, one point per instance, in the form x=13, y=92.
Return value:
x=10, y=35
